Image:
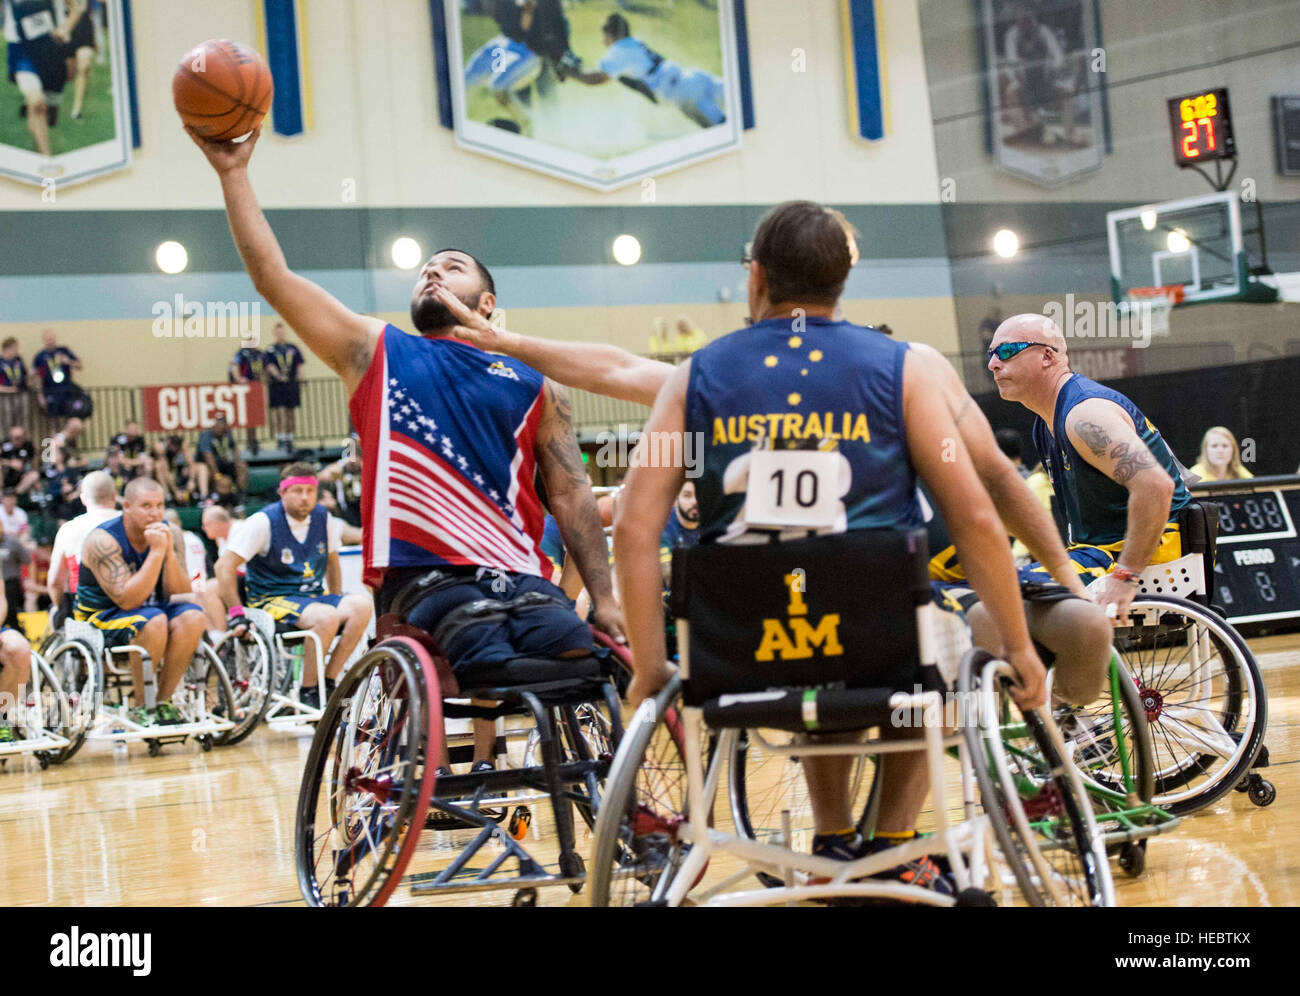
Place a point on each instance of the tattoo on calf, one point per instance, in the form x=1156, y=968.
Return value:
x=1130, y=460
x=1094, y=435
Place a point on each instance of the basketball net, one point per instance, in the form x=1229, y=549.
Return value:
x=1157, y=301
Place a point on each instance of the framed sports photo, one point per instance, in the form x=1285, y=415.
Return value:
x=66, y=116
x=600, y=92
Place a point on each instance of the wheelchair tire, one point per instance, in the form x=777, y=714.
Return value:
x=248, y=664
x=79, y=674
x=1041, y=816
x=585, y=733
x=761, y=785
x=1099, y=762
x=384, y=700
x=1175, y=642
x=51, y=707
x=635, y=854
x=212, y=693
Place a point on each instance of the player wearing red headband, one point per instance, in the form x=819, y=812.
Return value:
x=291, y=549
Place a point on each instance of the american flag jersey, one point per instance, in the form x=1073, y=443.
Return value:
x=447, y=435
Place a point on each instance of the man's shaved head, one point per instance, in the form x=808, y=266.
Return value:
x=141, y=486
x=1030, y=328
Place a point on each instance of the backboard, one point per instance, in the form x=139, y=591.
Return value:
x=1193, y=244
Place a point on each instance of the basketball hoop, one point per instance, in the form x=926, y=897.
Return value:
x=1157, y=302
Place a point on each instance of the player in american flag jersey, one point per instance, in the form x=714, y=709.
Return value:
x=451, y=435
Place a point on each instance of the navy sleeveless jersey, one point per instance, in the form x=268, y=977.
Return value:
x=832, y=381
x=289, y=567
x=447, y=433
x=1095, y=506
x=90, y=596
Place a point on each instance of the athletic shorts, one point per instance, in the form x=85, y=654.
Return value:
x=288, y=608
x=1093, y=562
x=120, y=626
x=283, y=394
x=546, y=631
x=43, y=59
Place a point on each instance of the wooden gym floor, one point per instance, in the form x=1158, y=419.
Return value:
x=189, y=828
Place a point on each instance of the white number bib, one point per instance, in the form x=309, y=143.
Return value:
x=793, y=489
x=38, y=24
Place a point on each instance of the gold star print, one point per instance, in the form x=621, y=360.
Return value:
x=803, y=372
x=794, y=399
x=770, y=361
x=815, y=355
x=795, y=342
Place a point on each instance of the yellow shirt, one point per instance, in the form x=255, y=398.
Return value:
x=1204, y=472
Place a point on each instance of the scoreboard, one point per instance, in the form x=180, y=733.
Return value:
x=1201, y=126
x=1257, y=569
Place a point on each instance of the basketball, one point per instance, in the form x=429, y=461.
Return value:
x=222, y=89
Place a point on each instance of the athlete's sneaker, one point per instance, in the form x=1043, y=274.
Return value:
x=309, y=695
x=6, y=734
x=851, y=846
x=140, y=716
x=167, y=714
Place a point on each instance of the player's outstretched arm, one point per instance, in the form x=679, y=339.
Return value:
x=596, y=367
x=344, y=340
x=574, y=506
x=1021, y=512
x=941, y=459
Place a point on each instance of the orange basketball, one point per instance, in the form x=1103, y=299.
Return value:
x=222, y=89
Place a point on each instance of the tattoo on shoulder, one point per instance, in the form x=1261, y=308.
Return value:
x=560, y=399
x=104, y=559
x=1094, y=435
x=1129, y=460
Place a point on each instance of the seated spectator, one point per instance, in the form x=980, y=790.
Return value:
x=689, y=337
x=66, y=454
x=17, y=454
x=1219, y=459
x=52, y=370
x=13, y=520
x=660, y=341
x=135, y=452
x=15, y=401
x=175, y=467
x=216, y=448
x=115, y=466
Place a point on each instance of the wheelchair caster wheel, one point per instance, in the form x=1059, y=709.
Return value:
x=520, y=820
x=206, y=743
x=572, y=866
x=1243, y=785
x=975, y=897
x=43, y=759
x=1262, y=792
x=525, y=897
x=1261, y=759
x=1133, y=858
x=155, y=748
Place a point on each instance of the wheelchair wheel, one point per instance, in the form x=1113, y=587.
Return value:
x=206, y=692
x=47, y=706
x=1202, y=696
x=248, y=663
x=586, y=733
x=1035, y=801
x=76, y=668
x=636, y=853
x=1113, y=732
x=366, y=787
x=764, y=784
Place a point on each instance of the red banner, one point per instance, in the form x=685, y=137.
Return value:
x=181, y=407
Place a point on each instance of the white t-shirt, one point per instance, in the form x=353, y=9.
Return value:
x=196, y=557
x=14, y=523
x=252, y=537
x=70, y=537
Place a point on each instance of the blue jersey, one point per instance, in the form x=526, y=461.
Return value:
x=289, y=567
x=832, y=385
x=90, y=596
x=1096, y=508
x=553, y=542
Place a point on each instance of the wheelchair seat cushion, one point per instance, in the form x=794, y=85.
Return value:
x=528, y=671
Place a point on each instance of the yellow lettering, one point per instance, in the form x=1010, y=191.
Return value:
x=797, y=606
x=827, y=632
x=719, y=432
x=860, y=430
x=773, y=424
x=774, y=639
x=814, y=427
x=792, y=423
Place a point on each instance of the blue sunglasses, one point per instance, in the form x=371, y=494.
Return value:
x=1010, y=349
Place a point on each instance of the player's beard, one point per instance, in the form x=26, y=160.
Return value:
x=428, y=314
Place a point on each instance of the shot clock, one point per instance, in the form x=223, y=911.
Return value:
x=1201, y=124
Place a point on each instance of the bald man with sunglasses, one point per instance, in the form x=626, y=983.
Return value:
x=1117, y=480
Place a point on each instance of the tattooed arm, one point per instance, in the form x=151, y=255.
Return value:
x=574, y=506
x=1105, y=437
x=103, y=558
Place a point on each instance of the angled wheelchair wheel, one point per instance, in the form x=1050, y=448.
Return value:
x=763, y=784
x=586, y=733
x=1113, y=749
x=77, y=670
x=206, y=692
x=636, y=854
x=1034, y=798
x=366, y=787
x=248, y=664
x=1201, y=694
x=47, y=709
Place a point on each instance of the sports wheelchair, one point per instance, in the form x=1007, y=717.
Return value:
x=43, y=718
x=97, y=681
x=792, y=663
x=371, y=780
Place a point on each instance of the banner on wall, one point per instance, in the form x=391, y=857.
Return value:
x=1045, y=87
x=865, y=61
x=184, y=407
x=599, y=93
x=67, y=111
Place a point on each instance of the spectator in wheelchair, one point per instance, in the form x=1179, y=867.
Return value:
x=293, y=573
x=99, y=495
x=15, y=672
x=798, y=378
x=1119, y=484
x=132, y=586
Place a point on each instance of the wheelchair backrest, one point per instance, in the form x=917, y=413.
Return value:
x=837, y=609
